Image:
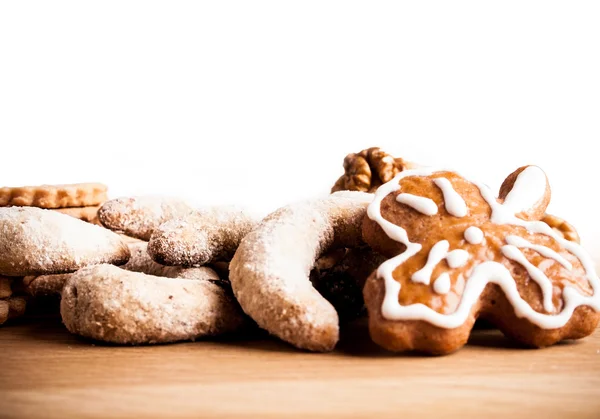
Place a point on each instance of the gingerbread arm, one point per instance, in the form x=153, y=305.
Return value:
x=526, y=192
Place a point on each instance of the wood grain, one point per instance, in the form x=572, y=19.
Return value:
x=46, y=372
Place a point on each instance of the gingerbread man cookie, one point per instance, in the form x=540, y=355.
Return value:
x=459, y=253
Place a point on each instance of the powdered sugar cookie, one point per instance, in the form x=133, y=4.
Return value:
x=88, y=214
x=111, y=304
x=270, y=271
x=139, y=261
x=142, y=262
x=36, y=241
x=139, y=216
x=204, y=236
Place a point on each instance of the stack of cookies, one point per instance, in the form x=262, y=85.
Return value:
x=77, y=200
x=422, y=252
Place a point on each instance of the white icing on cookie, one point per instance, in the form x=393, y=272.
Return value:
x=542, y=250
x=436, y=254
x=474, y=235
x=545, y=264
x=455, y=205
x=457, y=258
x=484, y=273
x=442, y=284
x=424, y=205
x=528, y=190
x=513, y=253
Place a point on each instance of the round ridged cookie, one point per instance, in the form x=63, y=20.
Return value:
x=54, y=196
x=269, y=272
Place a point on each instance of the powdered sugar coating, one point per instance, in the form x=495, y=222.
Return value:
x=45, y=284
x=89, y=214
x=139, y=261
x=269, y=272
x=36, y=241
x=140, y=216
x=142, y=262
x=111, y=304
x=204, y=236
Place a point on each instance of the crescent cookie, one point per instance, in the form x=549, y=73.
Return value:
x=110, y=304
x=139, y=261
x=36, y=241
x=270, y=270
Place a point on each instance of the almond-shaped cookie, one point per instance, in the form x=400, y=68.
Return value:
x=35, y=241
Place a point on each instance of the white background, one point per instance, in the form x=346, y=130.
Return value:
x=258, y=102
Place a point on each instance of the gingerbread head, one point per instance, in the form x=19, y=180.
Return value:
x=458, y=253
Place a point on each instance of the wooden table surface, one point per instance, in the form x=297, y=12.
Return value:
x=46, y=372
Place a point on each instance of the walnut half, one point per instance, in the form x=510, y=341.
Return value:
x=562, y=227
x=367, y=170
